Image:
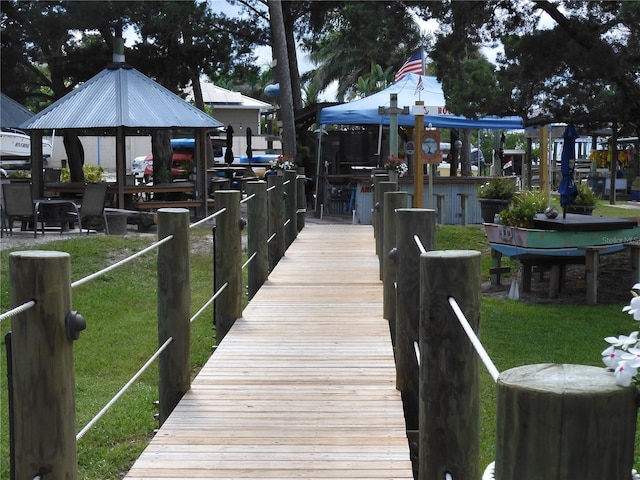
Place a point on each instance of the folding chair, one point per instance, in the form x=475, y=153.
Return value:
x=92, y=213
x=18, y=205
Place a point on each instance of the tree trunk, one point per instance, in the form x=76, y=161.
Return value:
x=296, y=87
x=279, y=46
x=162, y=156
x=75, y=155
x=465, y=157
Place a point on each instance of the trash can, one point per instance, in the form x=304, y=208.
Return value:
x=117, y=223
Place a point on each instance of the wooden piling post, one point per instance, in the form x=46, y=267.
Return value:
x=257, y=236
x=174, y=304
x=383, y=187
x=392, y=201
x=228, y=261
x=276, y=219
x=377, y=177
x=410, y=222
x=43, y=373
x=564, y=421
x=449, y=383
x=290, y=206
x=301, y=200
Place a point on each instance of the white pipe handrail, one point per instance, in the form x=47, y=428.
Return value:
x=475, y=341
x=272, y=187
x=209, y=302
x=245, y=200
x=206, y=219
x=244, y=265
x=419, y=244
x=271, y=237
x=99, y=273
x=122, y=390
x=19, y=309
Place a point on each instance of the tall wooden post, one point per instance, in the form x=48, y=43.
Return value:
x=544, y=157
x=43, y=373
x=228, y=261
x=377, y=200
x=410, y=222
x=174, y=304
x=290, y=206
x=301, y=198
x=449, y=380
x=257, y=236
x=564, y=421
x=418, y=157
x=383, y=187
x=392, y=201
x=276, y=219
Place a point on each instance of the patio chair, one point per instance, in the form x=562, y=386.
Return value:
x=92, y=213
x=18, y=205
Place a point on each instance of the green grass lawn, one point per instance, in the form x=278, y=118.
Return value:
x=120, y=309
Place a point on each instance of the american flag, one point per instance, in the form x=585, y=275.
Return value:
x=413, y=65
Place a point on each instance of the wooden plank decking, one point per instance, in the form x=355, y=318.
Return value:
x=303, y=386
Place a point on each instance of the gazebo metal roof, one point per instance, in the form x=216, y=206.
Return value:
x=120, y=96
x=12, y=114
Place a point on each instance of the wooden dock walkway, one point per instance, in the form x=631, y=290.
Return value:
x=303, y=386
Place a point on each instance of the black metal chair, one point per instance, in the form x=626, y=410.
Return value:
x=18, y=205
x=92, y=213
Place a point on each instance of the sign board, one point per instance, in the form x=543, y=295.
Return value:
x=430, y=146
x=409, y=147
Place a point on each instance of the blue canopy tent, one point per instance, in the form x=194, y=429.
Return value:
x=365, y=110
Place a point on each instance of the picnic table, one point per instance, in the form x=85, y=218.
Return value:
x=555, y=243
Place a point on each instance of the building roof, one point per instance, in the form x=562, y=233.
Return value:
x=12, y=114
x=222, y=98
x=120, y=96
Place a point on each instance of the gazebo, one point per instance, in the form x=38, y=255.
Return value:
x=120, y=101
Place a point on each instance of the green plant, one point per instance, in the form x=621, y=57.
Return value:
x=524, y=206
x=20, y=174
x=635, y=185
x=502, y=188
x=585, y=196
x=92, y=173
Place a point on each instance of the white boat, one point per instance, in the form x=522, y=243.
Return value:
x=15, y=143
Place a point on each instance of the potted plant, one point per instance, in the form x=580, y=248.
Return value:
x=495, y=196
x=394, y=164
x=585, y=202
x=524, y=207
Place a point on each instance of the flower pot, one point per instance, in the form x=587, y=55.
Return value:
x=580, y=209
x=393, y=176
x=489, y=207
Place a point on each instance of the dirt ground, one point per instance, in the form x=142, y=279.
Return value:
x=614, y=283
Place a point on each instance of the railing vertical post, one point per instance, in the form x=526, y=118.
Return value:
x=276, y=219
x=392, y=201
x=43, y=372
x=449, y=377
x=174, y=303
x=290, y=203
x=257, y=235
x=301, y=202
x=376, y=178
x=228, y=261
x=383, y=187
x=410, y=222
x=564, y=421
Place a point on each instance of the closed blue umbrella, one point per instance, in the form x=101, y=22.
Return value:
x=567, y=188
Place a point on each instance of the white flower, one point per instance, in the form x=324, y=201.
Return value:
x=623, y=341
x=625, y=373
x=402, y=169
x=611, y=357
x=632, y=357
x=633, y=308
